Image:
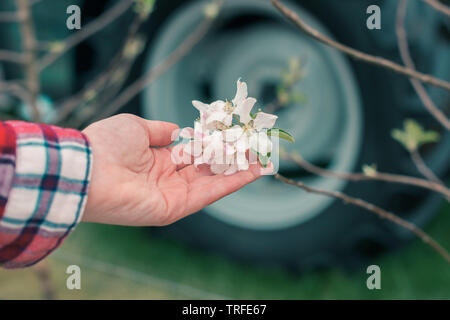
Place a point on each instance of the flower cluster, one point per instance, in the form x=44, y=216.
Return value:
x=228, y=136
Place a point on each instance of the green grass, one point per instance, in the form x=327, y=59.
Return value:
x=163, y=269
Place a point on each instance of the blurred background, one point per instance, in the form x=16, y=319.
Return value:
x=269, y=240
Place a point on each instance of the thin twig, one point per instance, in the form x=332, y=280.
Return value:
x=6, y=17
x=151, y=75
x=15, y=89
x=402, y=40
x=12, y=56
x=102, y=80
x=125, y=272
x=215, y=5
x=88, y=30
x=42, y=271
x=29, y=47
x=439, y=6
x=32, y=2
x=375, y=176
x=356, y=54
x=124, y=63
x=384, y=214
x=118, y=62
x=423, y=168
x=73, y=102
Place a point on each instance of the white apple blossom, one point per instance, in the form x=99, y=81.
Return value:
x=227, y=133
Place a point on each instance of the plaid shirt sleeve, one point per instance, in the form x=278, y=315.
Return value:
x=44, y=176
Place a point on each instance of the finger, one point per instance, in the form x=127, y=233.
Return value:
x=212, y=188
x=160, y=132
x=190, y=173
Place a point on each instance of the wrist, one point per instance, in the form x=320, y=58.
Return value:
x=90, y=197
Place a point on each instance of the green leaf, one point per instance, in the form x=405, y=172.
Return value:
x=413, y=135
x=283, y=96
x=292, y=73
x=280, y=133
x=264, y=160
x=298, y=97
x=429, y=136
x=404, y=139
x=144, y=7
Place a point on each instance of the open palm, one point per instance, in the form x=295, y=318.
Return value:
x=135, y=182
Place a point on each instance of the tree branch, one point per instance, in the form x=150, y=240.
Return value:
x=12, y=56
x=15, y=89
x=384, y=214
x=6, y=17
x=151, y=75
x=32, y=2
x=376, y=176
x=407, y=61
x=423, y=168
x=378, y=61
x=29, y=47
x=88, y=30
x=439, y=6
x=103, y=79
x=42, y=270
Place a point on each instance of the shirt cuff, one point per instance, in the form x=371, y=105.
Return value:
x=48, y=193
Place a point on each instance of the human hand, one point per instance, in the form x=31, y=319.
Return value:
x=135, y=182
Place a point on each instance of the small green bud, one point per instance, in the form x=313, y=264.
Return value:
x=211, y=10
x=413, y=136
x=369, y=170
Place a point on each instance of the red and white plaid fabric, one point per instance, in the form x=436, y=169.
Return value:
x=44, y=177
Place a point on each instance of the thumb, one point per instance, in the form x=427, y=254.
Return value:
x=160, y=132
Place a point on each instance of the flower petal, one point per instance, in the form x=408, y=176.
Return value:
x=200, y=106
x=216, y=116
x=241, y=161
x=264, y=120
x=260, y=143
x=193, y=148
x=233, y=134
x=212, y=145
x=242, y=144
x=243, y=110
x=241, y=92
x=217, y=105
x=229, y=149
x=199, y=160
x=219, y=168
x=228, y=120
x=231, y=170
x=187, y=133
